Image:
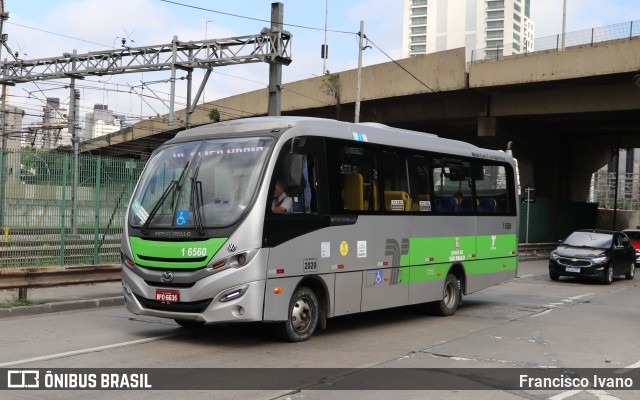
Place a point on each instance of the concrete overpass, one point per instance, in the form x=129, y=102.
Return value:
x=564, y=111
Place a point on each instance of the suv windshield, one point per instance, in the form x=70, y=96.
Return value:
x=589, y=239
x=199, y=184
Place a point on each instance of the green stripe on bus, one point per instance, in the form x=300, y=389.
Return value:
x=174, y=255
x=422, y=273
x=459, y=249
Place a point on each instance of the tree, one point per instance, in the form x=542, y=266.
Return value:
x=214, y=115
x=331, y=86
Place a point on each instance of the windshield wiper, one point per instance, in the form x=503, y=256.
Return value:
x=165, y=194
x=196, y=198
x=154, y=211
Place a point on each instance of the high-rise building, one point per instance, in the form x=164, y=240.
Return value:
x=492, y=27
x=13, y=124
x=99, y=122
x=53, y=131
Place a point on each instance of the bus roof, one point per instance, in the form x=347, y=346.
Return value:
x=363, y=132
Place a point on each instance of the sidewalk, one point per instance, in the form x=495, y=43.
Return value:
x=62, y=298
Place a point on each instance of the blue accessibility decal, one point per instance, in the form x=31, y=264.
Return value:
x=379, y=277
x=182, y=217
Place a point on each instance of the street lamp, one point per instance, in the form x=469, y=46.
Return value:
x=206, y=24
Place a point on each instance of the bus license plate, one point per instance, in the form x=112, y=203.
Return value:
x=572, y=269
x=167, y=296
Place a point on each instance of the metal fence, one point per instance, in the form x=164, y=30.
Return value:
x=51, y=218
x=603, y=190
x=624, y=30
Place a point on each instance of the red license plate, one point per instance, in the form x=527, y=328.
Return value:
x=167, y=296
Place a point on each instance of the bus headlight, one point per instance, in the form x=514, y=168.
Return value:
x=234, y=261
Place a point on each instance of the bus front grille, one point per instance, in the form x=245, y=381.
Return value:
x=194, y=307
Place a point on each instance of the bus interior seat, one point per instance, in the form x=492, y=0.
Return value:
x=353, y=192
x=396, y=195
x=487, y=205
x=357, y=193
x=445, y=204
x=462, y=206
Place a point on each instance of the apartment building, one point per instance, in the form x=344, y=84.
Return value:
x=486, y=28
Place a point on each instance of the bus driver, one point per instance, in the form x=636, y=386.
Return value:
x=282, y=202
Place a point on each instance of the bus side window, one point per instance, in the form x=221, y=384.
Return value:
x=394, y=182
x=297, y=171
x=492, y=190
x=419, y=184
x=357, y=179
x=452, y=186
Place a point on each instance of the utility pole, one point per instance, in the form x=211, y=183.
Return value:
x=564, y=21
x=325, y=49
x=359, y=85
x=275, y=68
x=174, y=57
x=75, y=141
x=3, y=119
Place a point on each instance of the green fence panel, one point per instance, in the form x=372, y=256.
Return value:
x=52, y=224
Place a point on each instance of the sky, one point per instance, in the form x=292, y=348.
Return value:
x=48, y=28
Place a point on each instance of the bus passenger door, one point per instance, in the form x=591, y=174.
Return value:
x=387, y=284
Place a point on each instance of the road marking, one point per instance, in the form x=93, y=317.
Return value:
x=600, y=394
x=88, y=350
x=542, y=313
x=569, y=300
x=626, y=369
x=565, y=395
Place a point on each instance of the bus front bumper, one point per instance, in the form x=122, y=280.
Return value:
x=236, y=303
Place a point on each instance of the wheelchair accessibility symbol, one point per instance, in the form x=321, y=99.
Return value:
x=182, y=217
x=379, y=277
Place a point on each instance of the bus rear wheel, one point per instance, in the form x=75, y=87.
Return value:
x=451, y=296
x=302, y=316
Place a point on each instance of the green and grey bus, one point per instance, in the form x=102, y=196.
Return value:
x=377, y=217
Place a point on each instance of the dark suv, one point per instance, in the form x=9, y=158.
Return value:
x=593, y=254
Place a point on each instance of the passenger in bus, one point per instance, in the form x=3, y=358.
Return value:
x=282, y=202
x=460, y=203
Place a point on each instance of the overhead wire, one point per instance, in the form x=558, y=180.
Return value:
x=254, y=19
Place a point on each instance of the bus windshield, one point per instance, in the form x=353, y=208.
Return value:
x=199, y=184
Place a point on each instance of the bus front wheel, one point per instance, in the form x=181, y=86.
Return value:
x=302, y=316
x=450, y=297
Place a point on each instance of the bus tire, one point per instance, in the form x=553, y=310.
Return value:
x=302, y=316
x=189, y=323
x=450, y=297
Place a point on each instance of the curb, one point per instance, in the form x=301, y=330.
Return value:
x=61, y=306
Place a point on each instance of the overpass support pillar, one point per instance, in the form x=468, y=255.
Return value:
x=487, y=126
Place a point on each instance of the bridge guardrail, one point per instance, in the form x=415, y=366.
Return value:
x=535, y=250
x=50, y=277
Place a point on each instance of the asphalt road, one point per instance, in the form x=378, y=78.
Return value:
x=529, y=322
